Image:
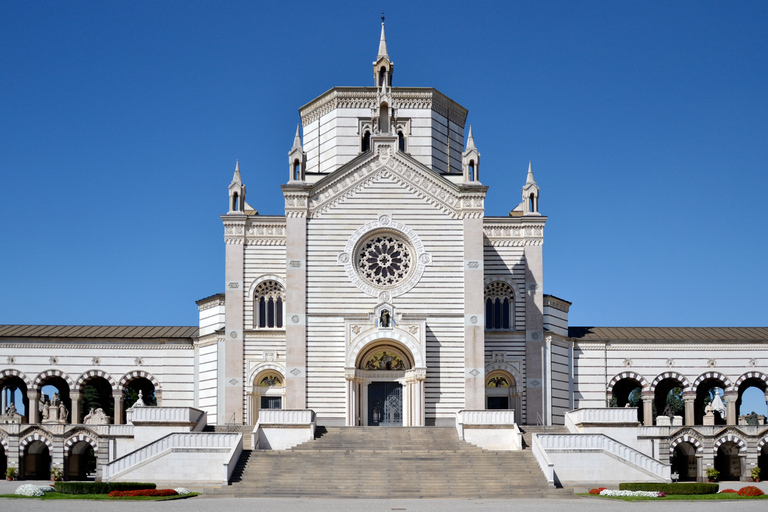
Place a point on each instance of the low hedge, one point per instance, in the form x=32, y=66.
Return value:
x=100, y=487
x=683, y=488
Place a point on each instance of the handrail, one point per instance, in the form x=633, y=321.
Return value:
x=610, y=445
x=175, y=440
x=231, y=423
x=540, y=421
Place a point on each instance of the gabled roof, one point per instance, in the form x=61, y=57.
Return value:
x=710, y=334
x=98, y=331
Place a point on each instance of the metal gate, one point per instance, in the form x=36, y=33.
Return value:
x=385, y=404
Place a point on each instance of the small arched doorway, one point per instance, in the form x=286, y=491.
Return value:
x=501, y=391
x=36, y=462
x=80, y=463
x=684, y=462
x=728, y=461
x=268, y=392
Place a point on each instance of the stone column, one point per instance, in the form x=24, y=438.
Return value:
x=700, y=476
x=474, y=307
x=230, y=386
x=118, y=399
x=690, y=417
x=4, y=407
x=730, y=407
x=296, y=201
x=33, y=414
x=351, y=397
x=648, y=409
x=74, y=415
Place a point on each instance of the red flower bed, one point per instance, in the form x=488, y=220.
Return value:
x=730, y=491
x=143, y=492
x=597, y=491
x=750, y=490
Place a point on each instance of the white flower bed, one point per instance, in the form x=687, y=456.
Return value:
x=29, y=490
x=649, y=494
x=182, y=491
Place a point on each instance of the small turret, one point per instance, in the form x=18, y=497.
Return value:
x=470, y=160
x=297, y=159
x=237, y=192
x=530, y=194
x=383, y=67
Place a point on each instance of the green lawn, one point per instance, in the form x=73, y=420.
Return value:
x=60, y=496
x=681, y=497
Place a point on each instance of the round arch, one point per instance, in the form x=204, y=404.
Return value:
x=82, y=379
x=16, y=373
x=732, y=438
x=395, y=337
x=141, y=374
x=42, y=376
x=628, y=375
x=713, y=376
x=4, y=443
x=504, y=279
x=751, y=375
x=264, y=397
x=265, y=277
x=31, y=437
x=81, y=437
x=682, y=379
x=687, y=439
x=762, y=443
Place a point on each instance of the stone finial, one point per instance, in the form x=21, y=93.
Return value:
x=529, y=179
x=297, y=140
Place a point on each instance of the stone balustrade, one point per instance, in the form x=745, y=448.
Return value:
x=286, y=416
x=585, y=443
x=175, y=415
x=603, y=415
x=186, y=442
x=491, y=430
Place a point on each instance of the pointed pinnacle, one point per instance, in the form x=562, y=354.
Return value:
x=470, y=139
x=382, y=44
x=236, y=177
x=529, y=179
x=297, y=139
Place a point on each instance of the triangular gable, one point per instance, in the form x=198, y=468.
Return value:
x=385, y=160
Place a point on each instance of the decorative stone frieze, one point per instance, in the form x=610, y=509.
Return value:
x=513, y=231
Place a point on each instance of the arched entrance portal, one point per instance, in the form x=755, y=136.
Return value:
x=268, y=392
x=80, y=462
x=728, y=461
x=684, y=462
x=501, y=391
x=384, y=388
x=36, y=463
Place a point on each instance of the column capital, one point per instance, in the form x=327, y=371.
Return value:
x=33, y=394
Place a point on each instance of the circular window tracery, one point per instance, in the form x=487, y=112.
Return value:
x=384, y=260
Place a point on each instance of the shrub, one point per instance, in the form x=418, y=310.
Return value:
x=750, y=490
x=684, y=488
x=11, y=472
x=100, y=487
x=713, y=474
x=143, y=492
x=597, y=491
x=727, y=491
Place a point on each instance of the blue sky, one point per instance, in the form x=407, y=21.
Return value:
x=646, y=122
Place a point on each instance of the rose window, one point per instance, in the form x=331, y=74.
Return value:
x=384, y=260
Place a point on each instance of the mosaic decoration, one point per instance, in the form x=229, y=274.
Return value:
x=497, y=382
x=385, y=361
x=271, y=381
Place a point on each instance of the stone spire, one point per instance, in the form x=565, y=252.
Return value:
x=297, y=140
x=236, y=179
x=529, y=180
x=382, y=43
x=470, y=139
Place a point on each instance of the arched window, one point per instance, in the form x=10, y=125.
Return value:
x=499, y=306
x=297, y=170
x=384, y=118
x=268, y=305
x=366, y=145
x=471, y=171
x=401, y=141
x=382, y=75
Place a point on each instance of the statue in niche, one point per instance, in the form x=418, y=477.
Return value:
x=62, y=412
x=384, y=319
x=44, y=410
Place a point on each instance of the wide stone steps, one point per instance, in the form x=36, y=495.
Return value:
x=388, y=462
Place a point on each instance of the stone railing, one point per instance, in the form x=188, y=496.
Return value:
x=592, y=442
x=188, y=441
x=166, y=415
x=491, y=430
x=546, y=465
x=286, y=416
x=603, y=415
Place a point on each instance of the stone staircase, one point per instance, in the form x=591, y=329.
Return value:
x=244, y=429
x=529, y=430
x=388, y=462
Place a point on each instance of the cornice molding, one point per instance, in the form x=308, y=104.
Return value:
x=656, y=345
x=514, y=231
x=116, y=346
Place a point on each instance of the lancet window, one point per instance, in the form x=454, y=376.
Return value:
x=268, y=305
x=499, y=306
